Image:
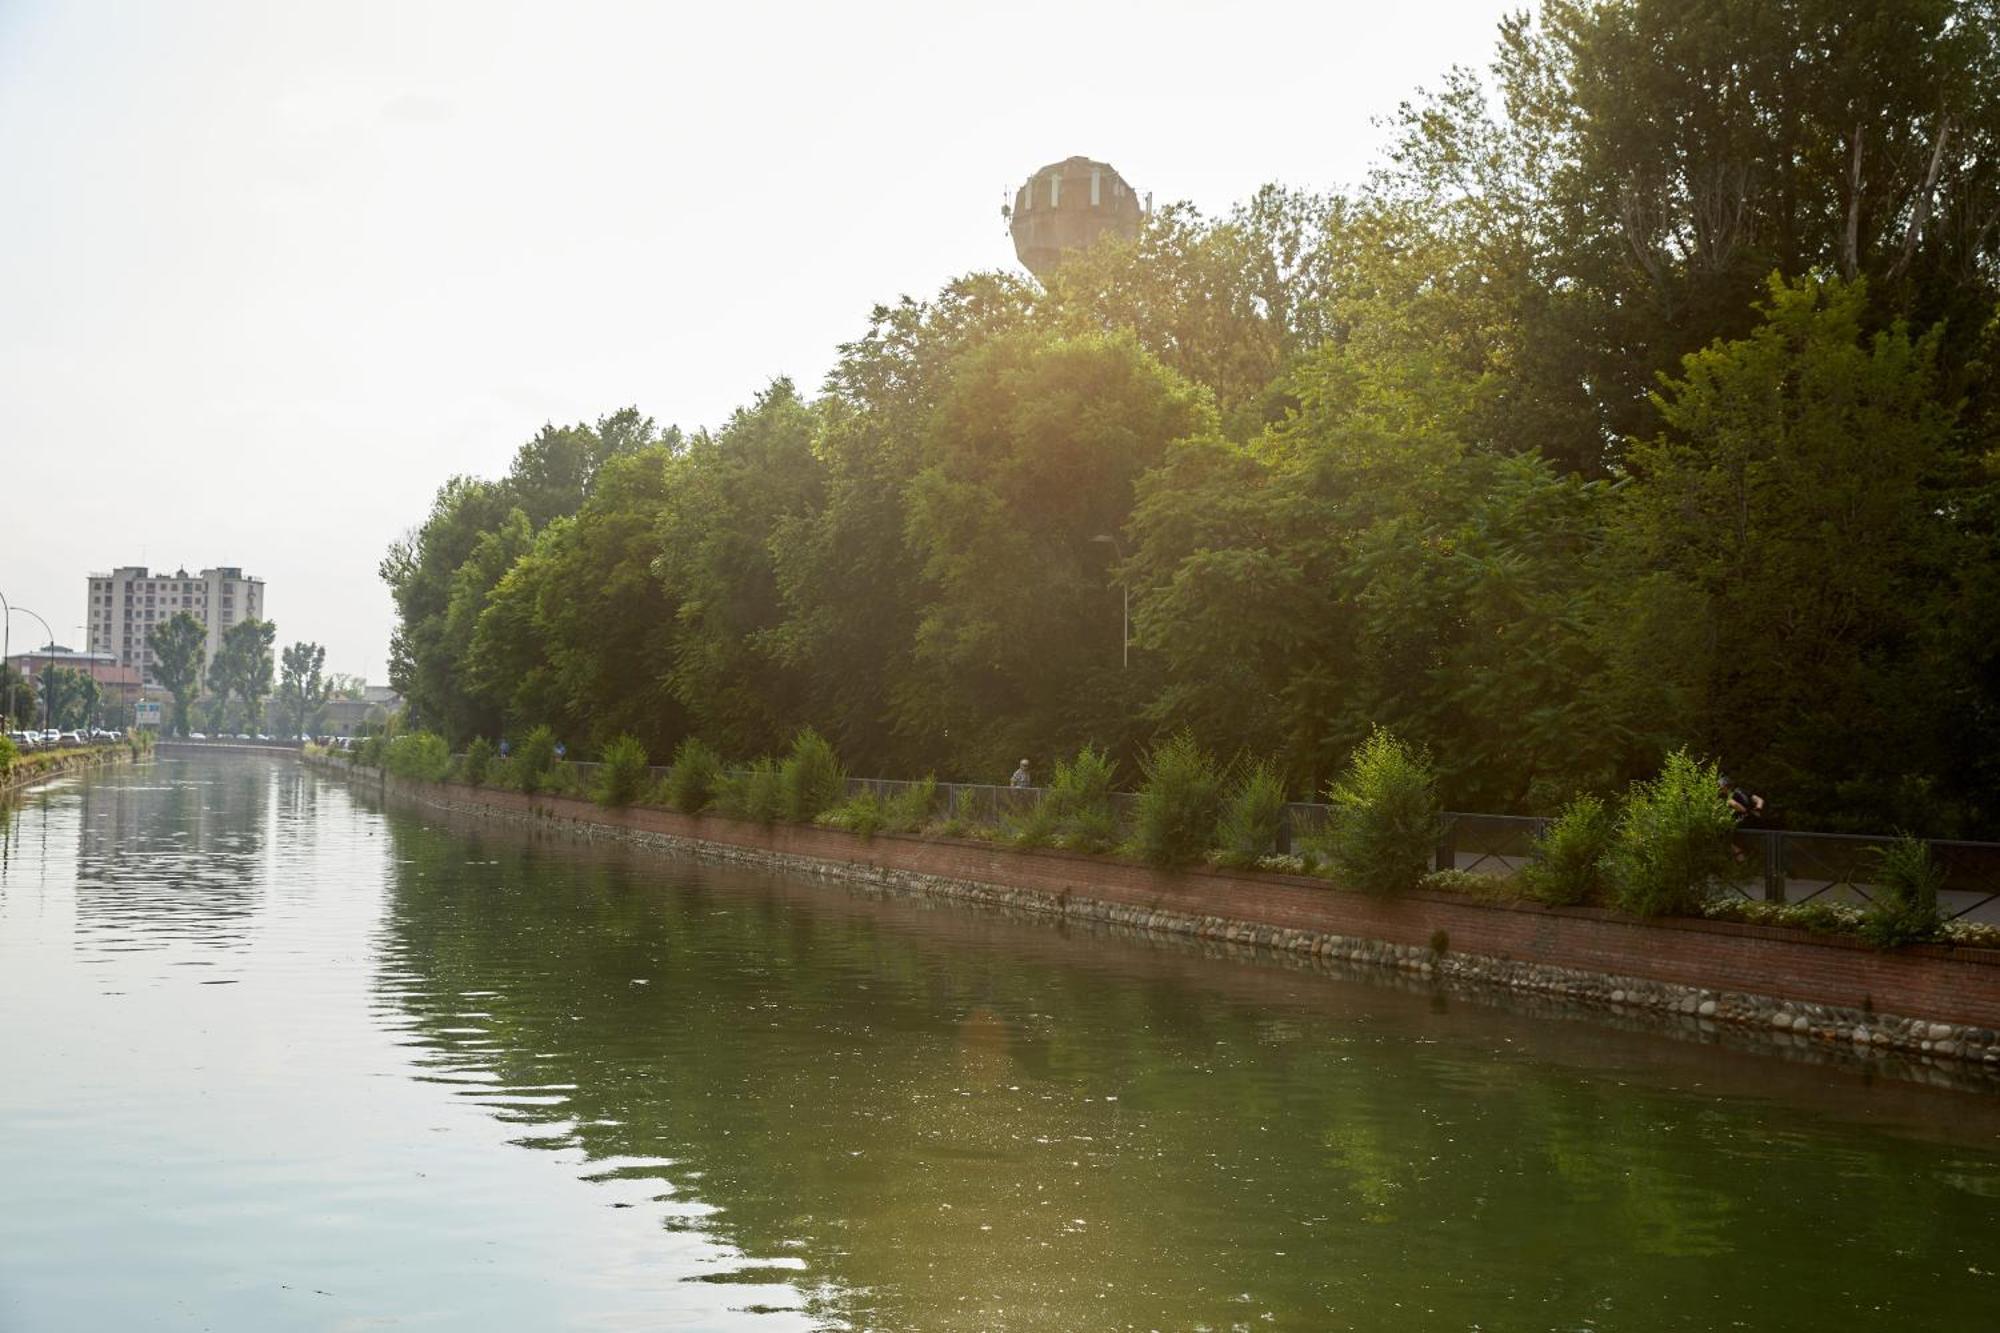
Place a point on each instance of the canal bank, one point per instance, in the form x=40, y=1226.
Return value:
x=1925, y=1004
x=31, y=770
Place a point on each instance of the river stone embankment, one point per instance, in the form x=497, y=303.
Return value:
x=1923, y=1005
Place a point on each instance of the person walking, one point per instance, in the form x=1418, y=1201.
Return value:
x=1020, y=780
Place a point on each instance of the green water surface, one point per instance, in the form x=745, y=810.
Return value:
x=277, y=1058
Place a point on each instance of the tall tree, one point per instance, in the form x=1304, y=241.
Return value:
x=850, y=590
x=17, y=695
x=1031, y=458
x=180, y=650
x=1632, y=172
x=441, y=573
x=302, y=690
x=243, y=666
x=581, y=629
x=731, y=492
x=1783, y=540
x=1227, y=303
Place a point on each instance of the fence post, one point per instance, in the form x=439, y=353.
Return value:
x=1447, y=845
x=1774, y=866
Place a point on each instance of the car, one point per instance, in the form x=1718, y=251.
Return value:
x=72, y=738
x=197, y=735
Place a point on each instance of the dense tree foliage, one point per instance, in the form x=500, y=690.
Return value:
x=242, y=667
x=180, y=650
x=72, y=697
x=1644, y=398
x=303, y=689
x=18, y=700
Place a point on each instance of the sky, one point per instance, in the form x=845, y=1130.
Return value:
x=270, y=273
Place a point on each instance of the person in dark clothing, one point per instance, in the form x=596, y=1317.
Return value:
x=1746, y=805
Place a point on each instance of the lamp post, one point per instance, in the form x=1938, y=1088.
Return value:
x=89, y=668
x=48, y=660
x=1125, y=639
x=7, y=651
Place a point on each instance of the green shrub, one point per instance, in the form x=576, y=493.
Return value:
x=1180, y=800
x=861, y=814
x=910, y=809
x=1075, y=812
x=1568, y=863
x=764, y=792
x=811, y=777
x=867, y=814
x=728, y=799
x=1904, y=906
x=1087, y=821
x=623, y=772
x=1383, y=827
x=1035, y=826
x=419, y=755
x=1255, y=811
x=9, y=752
x=369, y=753
x=1670, y=850
x=756, y=794
x=478, y=760
x=533, y=763
x=695, y=777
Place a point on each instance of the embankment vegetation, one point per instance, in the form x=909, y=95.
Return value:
x=1663, y=848
x=18, y=768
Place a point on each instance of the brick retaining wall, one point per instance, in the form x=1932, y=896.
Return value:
x=1932, y=999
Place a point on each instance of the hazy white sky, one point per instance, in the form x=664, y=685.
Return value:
x=271, y=272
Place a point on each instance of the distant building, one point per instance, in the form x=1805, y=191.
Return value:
x=1067, y=205
x=349, y=717
x=118, y=685
x=126, y=604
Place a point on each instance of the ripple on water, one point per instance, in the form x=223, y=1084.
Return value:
x=824, y=1110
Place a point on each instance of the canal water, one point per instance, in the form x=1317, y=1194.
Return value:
x=277, y=1058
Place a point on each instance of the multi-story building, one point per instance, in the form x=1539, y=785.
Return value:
x=126, y=604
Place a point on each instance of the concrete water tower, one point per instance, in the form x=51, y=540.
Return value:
x=1067, y=205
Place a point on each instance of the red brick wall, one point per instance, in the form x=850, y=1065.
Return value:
x=1945, y=985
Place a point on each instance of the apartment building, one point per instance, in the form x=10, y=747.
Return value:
x=126, y=604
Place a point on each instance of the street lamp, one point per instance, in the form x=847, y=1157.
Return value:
x=89, y=668
x=1126, y=638
x=7, y=651
x=49, y=659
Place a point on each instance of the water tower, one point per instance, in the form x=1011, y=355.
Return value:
x=1067, y=205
